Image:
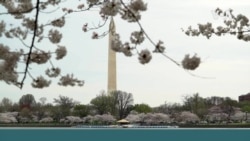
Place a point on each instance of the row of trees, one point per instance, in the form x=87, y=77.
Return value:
x=120, y=104
x=203, y=106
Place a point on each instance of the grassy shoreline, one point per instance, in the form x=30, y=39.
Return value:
x=70, y=125
x=36, y=125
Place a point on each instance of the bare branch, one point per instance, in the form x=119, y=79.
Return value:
x=48, y=12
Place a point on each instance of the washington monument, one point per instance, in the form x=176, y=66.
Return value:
x=111, y=59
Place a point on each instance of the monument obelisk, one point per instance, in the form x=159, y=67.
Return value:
x=111, y=59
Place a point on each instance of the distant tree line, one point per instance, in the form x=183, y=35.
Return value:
x=120, y=105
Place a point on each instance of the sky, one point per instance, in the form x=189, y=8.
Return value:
x=225, y=60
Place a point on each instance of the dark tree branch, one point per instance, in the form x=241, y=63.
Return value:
x=32, y=44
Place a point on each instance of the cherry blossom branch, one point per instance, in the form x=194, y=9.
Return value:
x=188, y=63
x=147, y=36
x=138, y=22
x=233, y=24
x=32, y=44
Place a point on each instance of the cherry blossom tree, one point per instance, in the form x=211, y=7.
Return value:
x=149, y=118
x=28, y=28
x=104, y=119
x=239, y=116
x=187, y=117
x=133, y=117
x=88, y=119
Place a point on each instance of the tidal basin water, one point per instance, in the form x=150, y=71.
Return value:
x=123, y=134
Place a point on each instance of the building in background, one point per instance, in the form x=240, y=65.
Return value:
x=245, y=97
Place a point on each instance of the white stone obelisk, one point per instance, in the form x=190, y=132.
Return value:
x=111, y=59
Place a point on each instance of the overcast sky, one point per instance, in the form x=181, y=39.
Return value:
x=225, y=60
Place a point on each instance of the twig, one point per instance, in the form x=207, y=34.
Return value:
x=203, y=77
x=23, y=42
x=178, y=64
x=99, y=25
x=30, y=75
x=48, y=12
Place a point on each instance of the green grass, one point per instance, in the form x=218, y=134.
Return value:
x=35, y=125
x=229, y=125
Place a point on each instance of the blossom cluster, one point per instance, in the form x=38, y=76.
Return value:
x=129, y=12
x=137, y=37
x=8, y=64
x=29, y=23
x=60, y=52
x=40, y=82
x=39, y=57
x=18, y=9
x=190, y=63
x=59, y=22
x=110, y=8
x=118, y=46
x=53, y=72
x=55, y=36
x=159, y=48
x=144, y=56
x=69, y=80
